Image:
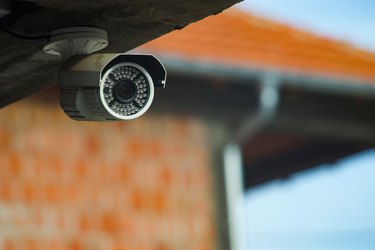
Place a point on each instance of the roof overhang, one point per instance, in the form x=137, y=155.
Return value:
x=322, y=118
x=314, y=81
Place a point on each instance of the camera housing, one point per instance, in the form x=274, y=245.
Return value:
x=107, y=87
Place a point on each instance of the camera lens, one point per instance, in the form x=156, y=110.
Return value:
x=125, y=91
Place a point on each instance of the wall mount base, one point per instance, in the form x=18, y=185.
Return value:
x=72, y=41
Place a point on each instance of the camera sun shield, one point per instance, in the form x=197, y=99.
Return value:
x=106, y=87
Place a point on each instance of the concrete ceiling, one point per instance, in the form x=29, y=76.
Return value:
x=24, y=68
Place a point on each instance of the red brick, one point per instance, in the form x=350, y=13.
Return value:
x=38, y=218
x=137, y=147
x=53, y=193
x=189, y=180
x=9, y=244
x=124, y=173
x=182, y=127
x=110, y=223
x=156, y=148
x=31, y=244
x=138, y=200
x=39, y=166
x=5, y=191
x=60, y=221
x=166, y=175
x=55, y=245
x=4, y=138
x=75, y=245
x=92, y=144
x=126, y=223
x=29, y=192
x=159, y=201
x=81, y=168
x=15, y=163
x=71, y=194
x=122, y=245
x=161, y=246
x=56, y=166
x=85, y=223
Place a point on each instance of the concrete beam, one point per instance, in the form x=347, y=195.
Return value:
x=24, y=68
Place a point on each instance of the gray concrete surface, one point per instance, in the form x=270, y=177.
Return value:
x=24, y=68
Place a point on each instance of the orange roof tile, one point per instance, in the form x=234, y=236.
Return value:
x=238, y=38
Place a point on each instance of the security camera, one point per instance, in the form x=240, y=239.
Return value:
x=102, y=87
x=107, y=87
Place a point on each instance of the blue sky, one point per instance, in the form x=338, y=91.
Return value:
x=351, y=21
x=320, y=209
x=348, y=186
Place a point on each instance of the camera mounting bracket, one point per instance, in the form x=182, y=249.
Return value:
x=71, y=41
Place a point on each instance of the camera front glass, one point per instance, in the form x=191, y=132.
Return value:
x=126, y=89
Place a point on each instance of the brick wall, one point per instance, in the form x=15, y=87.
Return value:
x=138, y=185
